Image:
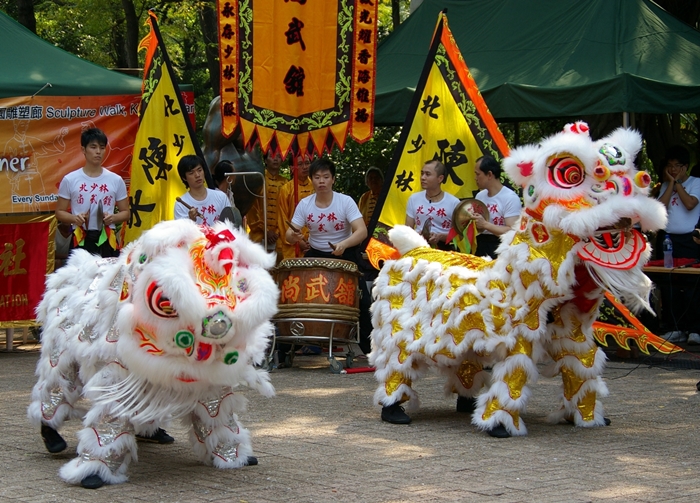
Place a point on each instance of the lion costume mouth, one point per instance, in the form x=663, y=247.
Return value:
x=619, y=247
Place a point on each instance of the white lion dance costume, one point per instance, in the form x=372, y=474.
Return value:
x=460, y=313
x=165, y=331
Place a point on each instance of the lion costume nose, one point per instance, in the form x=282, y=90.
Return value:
x=216, y=326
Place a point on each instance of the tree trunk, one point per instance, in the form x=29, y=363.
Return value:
x=131, y=41
x=210, y=32
x=395, y=13
x=25, y=14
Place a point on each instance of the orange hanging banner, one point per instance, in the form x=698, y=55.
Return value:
x=295, y=70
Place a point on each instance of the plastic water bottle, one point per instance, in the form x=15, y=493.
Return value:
x=668, y=252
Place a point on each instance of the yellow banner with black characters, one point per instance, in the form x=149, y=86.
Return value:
x=165, y=134
x=448, y=121
x=298, y=74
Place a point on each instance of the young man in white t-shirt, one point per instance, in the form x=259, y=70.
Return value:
x=201, y=204
x=503, y=204
x=432, y=204
x=92, y=193
x=334, y=221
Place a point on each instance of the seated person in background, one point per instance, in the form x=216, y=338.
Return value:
x=503, y=204
x=223, y=183
x=680, y=193
x=334, y=221
x=273, y=184
x=374, y=179
x=201, y=204
x=432, y=204
x=286, y=206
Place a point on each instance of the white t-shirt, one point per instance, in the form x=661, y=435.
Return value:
x=85, y=193
x=210, y=207
x=503, y=205
x=680, y=220
x=331, y=224
x=419, y=208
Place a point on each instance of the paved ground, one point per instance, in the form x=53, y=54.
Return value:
x=321, y=440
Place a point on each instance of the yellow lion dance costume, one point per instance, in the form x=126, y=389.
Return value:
x=539, y=299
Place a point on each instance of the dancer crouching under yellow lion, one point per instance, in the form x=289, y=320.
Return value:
x=460, y=313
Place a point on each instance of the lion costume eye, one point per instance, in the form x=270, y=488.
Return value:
x=158, y=303
x=565, y=172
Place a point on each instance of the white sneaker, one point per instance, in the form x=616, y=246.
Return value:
x=675, y=336
x=694, y=338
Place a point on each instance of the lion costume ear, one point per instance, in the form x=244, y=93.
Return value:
x=520, y=164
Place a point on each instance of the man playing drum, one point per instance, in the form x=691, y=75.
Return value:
x=334, y=221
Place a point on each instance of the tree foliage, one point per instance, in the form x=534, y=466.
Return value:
x=106, y=32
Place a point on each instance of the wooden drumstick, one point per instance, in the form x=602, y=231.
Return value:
x=179, y=200
x=333, y=247
x=291, y=226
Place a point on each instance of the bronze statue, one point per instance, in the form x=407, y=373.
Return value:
x=217, y=148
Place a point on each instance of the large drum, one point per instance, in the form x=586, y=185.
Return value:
x=319, y=298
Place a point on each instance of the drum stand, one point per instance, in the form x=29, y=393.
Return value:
x=299, y=337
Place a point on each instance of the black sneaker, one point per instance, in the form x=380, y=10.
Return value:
x=92, y=482
x=395, y=414
x=466, y=404
x=499, y=432
x=52, y=440
x=251, y=461
x=160, y=436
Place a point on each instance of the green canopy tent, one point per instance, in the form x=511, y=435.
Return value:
x=535, y=59
x=28, y=63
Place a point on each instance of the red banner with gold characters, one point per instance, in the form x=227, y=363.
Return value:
x=298, y=70
x=26, y=257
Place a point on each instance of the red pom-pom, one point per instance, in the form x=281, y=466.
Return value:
x=525, y=168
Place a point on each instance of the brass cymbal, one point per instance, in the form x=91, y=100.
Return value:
x=464, y=212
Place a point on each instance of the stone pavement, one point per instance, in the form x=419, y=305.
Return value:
x=321, y=440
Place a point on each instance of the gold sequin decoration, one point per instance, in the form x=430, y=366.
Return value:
x=403, y=354
x=429, y=289
x=396, y=301
x=467, y=371
x=491, y=407
x=515, y=381
x=395, y=327
x=522, y=347
x=468, y=299
x=471, y=321
x=587, y=359
x=577, y=334
x=417, y=332
x=554, y=250
x=449, y=259
x=527, y=278
x=445, y=352
x=571, y=382
x=395, y=277
x=445, y=315
x=499, y=318
x=395, y=380
x=497, y=284
x=587, y=406
x=457, y=335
